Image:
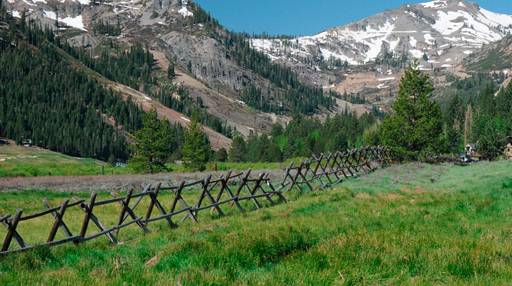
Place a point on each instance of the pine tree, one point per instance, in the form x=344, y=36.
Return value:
x=152, y=144
x=468, y=125
x=221, y=155
x=238, y=150
x=196, y=147
x=491, y=134
x=171, y=74
x=415, y=127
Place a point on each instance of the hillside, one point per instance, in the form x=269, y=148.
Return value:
x=181, y=33
x=409, y=224
x=45, y=99
x=495, y=57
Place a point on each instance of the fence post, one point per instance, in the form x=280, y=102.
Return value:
x=87, y=217
x=58, y=220
x=12, y=229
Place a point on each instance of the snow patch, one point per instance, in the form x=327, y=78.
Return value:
x=413, y=42
x=429, y=39
x=75, y=22
x=416, y=53
x=435, y=4
x=448, y=22
x=386, y=79
x=184, y=10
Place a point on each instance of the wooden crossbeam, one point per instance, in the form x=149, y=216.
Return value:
x=207, y=188
x=58, y=216
x=63, y=225
x=126, y=209
x=179, y=198
x=225, y=188
x=89, y=215
x=11, y=232
x=156, y=203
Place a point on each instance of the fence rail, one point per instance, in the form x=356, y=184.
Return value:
x=189, y=199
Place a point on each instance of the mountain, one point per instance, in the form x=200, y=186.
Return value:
x=444, y=30
x=366, y=58
x=217, y=69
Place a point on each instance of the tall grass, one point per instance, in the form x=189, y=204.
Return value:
x=412, y=224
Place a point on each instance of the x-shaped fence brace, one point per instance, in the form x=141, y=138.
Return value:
x=188, y=199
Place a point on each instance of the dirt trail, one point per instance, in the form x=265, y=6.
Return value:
x=110, y=183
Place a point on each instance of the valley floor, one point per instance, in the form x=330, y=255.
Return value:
x=24, y=168
x=411, y=224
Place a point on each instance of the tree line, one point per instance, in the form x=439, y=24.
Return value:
x=419, y=127
x=303, y=137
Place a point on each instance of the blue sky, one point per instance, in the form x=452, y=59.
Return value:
x=307, y=17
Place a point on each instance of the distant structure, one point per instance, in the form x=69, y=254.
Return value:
x=508, y=149
x=470, y=154
x=26, y=142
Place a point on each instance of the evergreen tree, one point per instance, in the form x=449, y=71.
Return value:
x=151, y=146
x=453, y=126
x=491, y=135
x=221, y=155
x=171, y=74
x=468, y=125
x=238, y=150
x=196, y=147
x=415, y=127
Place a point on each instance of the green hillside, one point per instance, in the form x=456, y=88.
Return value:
x=493, y=57
x=410, y=224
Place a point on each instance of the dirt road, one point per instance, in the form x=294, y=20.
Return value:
x=109, y=183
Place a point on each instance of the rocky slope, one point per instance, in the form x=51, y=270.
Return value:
x=495, y=57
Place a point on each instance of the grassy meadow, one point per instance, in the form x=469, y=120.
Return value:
x=19, y=161
x=411, y=224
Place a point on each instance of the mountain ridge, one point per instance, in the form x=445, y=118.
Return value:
x=432, y=28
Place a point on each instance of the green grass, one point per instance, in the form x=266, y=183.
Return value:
x=18, y=161
x=406, y=225
x=30, y=161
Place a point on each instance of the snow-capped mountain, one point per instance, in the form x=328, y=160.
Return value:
x=444, y=31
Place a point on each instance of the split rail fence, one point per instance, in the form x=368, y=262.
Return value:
x=238, y=190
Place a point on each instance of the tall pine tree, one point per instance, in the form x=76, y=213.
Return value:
x=196, y=147
x=152, y=144
x=415, y=128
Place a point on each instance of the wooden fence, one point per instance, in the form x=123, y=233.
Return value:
x=140, y=209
